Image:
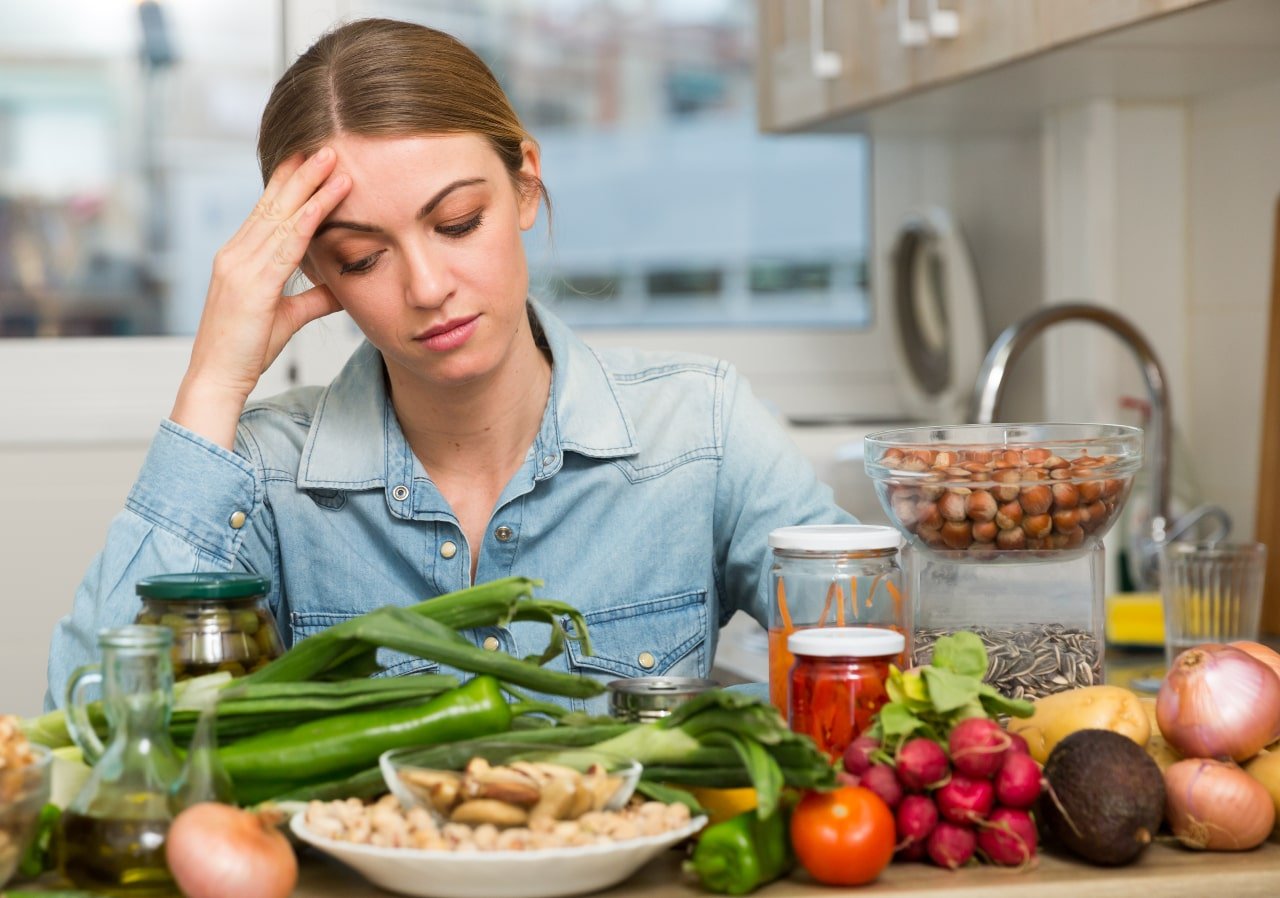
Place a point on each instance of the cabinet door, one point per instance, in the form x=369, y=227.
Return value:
x=1055, y=22
x=788, y=90
x=875, y=63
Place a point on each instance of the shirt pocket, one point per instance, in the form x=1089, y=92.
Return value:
x=664, y=636
x=395, y=664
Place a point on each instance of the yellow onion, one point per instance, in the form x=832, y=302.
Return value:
x=1213, y=805
x=1218, y=702
x=219, y=851
x=1267, y=656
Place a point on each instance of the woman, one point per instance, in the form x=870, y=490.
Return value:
x=473, y=436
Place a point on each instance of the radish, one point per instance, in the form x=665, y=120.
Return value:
x=1008, y=837
x=916, y=851
x=1018, y=783
x=917, y=816
x=857, y=757
x=922, y=764
x=950, y=845
x=965, y=799
x=1017, y=744
x=978, y=747
x=881, y=780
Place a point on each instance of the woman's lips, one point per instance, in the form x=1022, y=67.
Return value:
x=449, y=335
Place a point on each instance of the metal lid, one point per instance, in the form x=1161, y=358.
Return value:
x=846, y=642
x=208, y=585
x=835, y=538
x=653, y=696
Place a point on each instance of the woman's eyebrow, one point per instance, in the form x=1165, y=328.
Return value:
x=426, y=210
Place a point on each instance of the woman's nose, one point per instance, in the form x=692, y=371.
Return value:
x=430, y=280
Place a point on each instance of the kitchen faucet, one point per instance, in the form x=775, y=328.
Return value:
x=1005, y=350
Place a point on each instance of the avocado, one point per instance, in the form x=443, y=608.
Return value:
x=1104, y=799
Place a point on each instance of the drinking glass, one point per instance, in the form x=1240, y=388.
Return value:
x=1212, y=592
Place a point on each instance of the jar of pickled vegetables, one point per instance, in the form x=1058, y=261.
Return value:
x=831, y=575
x=838, y=682
x=219, y=620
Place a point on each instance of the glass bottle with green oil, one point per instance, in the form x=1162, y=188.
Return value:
x=111, y=837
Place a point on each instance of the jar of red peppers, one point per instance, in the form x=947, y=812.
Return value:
x=838, y=681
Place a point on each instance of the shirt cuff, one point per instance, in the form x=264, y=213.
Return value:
x=197, y=490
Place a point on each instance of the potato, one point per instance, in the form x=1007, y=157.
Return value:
x=1164, y=754
x=1087, y=708
x=1265, y=768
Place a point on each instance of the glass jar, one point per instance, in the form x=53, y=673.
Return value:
x=219, y=621
x=111, y=837
x=837, y=682
x=831, y=576
x=644, y=699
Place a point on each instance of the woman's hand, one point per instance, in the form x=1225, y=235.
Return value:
x=247, y=320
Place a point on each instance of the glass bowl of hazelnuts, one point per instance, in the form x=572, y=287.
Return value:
x=1016, y=491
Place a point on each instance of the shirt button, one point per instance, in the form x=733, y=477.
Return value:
x=548, y=460
x=504, y=534
x=491, y=643
x=400, y=493
x=646, y=660
x=237, y=520
x=448, y=549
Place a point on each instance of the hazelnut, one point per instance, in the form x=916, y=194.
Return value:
x=1006, y=493
x=1011, y=539
x=952, y=506
x=914, y=464
x=957, y=535
x=1010, y=458
x=930, y=536
x=924, y=455
x=1037, y=525
x=958, y=473
x=904, y=509
x=1009, y=515
x=944, y=459
x=984, y=531
x=1065, y=495
x=1112, y=488
x=1097, y=513
x=927, y=516
x=1060, y=474
x=1089, y=490
x=1036, y=455
x=980, y=506
x=1075, y=538
x=1066, y=519
x=893, y=452
x=981, y=456
x=1055, y=461
x=1035, y=499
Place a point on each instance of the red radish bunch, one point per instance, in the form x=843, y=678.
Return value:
x=974, y=797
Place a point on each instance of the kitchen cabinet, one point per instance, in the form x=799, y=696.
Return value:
x=821, y=60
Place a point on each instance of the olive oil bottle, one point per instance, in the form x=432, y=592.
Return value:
x=111, y=838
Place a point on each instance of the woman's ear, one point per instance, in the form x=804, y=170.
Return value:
x=531, y=184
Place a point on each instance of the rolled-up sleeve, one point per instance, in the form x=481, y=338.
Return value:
x=194, y=507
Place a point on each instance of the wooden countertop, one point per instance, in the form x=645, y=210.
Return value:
x=1164, y=870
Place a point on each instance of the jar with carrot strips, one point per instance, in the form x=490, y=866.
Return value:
x=837, y=683
x=837, y=575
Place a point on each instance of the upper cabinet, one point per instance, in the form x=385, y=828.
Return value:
x=827, y=63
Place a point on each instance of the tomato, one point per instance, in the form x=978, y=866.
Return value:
x=844, y=837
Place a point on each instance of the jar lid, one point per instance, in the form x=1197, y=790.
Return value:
x=835, y=538
x=653, y=696
x=208, y=585
x=846, y=642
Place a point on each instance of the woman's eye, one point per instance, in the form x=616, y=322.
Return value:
x=360, y=265
x=465, y=227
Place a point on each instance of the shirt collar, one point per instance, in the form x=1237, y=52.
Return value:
x=583, y=415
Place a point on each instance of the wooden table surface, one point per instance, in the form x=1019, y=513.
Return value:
x=1164, y=871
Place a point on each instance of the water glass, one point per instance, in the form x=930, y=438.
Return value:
x=1212, y=592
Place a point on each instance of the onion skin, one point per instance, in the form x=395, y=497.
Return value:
x=1218, y=702
x=1267, y=656
x=1216, y=806
x=219, y=851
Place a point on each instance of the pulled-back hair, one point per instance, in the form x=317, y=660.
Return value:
x=384, y=78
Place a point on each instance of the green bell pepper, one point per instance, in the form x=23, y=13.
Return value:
x=739, y=855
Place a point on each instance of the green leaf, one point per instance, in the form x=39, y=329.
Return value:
x=961, y=653
x=949, y=691
x=897, y=721
x=995, y=703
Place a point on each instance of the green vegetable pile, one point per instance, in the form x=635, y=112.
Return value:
x=930, y=700
x=312, y=723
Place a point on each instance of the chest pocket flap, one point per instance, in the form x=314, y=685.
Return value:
x=394, y=664
x=656, y=637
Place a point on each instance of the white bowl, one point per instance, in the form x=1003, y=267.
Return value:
x=545, y=873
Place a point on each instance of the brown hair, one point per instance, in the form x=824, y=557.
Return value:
x=380, y=77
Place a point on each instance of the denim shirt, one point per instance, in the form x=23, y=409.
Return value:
x=645, y=500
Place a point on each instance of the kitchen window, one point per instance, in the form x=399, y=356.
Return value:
x=675, y=224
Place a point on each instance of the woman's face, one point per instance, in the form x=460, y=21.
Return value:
x=424, y=252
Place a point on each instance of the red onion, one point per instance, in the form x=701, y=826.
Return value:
x=1216, y=806
x=218, y=851
x=1218, y=702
